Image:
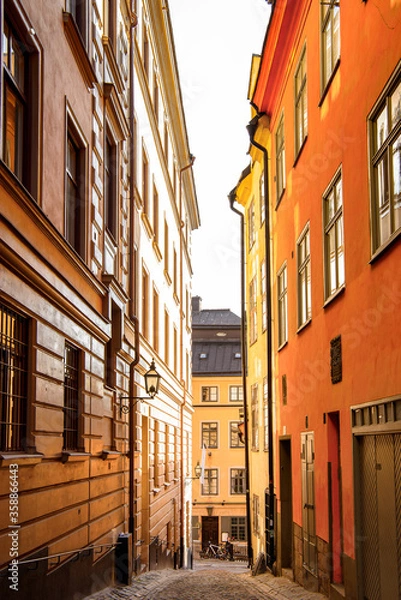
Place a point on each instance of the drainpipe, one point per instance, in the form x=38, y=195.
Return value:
x=232, y=199
x=252, y=128
x=133, y=280
x=182, y=377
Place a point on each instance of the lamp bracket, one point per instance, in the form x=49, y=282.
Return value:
x=125, y=408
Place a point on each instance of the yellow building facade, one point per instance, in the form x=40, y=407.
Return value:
x=218, y=496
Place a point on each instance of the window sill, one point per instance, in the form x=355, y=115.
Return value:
x=385, y=246
x=333, y=296
x=110, y=454
x=78, y=49
x=71, y=456
x=20, y=459
x=304, y=325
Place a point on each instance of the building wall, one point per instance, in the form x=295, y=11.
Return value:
x=73, y=503
x=317, y=416
x=224, y=504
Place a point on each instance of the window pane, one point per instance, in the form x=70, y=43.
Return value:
x=396, y=149
x=14, y=119
x=396, y=105
x=381, y=128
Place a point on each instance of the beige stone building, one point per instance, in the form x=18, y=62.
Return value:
x=97, y=205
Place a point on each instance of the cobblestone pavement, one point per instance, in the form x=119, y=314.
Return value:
x=211, y=580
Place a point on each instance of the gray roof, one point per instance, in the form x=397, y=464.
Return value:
x=215, y=318
x=216, y=358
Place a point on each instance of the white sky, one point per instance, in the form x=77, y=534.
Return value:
x=215, y=40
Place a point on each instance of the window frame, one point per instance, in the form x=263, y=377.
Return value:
x=304, y=284
x=383, y=154
x=14, y=375
x=75, y=137
x=255, y=416
x=239, y=393
x=237, y=479
x=73, y=408
x=301, y=102
x=210, y=434
x=280, y=159
x=211, y=488
x=30, y=140
x=330, y=223
x=282, y=305
x=235, y=441
x=213, y=391
x=328, y=13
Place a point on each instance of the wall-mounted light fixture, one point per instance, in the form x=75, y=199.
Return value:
x=197, y=470
x=152, y=382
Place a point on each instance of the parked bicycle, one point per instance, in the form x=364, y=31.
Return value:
x=214, y=551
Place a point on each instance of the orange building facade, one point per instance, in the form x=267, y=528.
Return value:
x=327, y=111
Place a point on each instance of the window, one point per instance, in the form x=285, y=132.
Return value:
x=155, y=320
x=282, y=306
x=304, y=278
x=237, y=479
x=166, y=250
x=156, y=94
x=13, y=379
x=111, y=22
x=156, y=214
x=145, y=181
x=385, y=163
x=301, y=103
x=262, y=199
x=145, y=303
x=209, y=393
x=113, y=345
x=78, y=10
x=146, y=51
x=71, y=398
x=235, y=441
x=210, y=485
x=166, y=337
x=263, y=294
x=255, y=514
x=75, y=190
x=280, y=159
x=255, y=416
x=253, y=315
x=210, y=435
x=238, y=529
x=333, y=238
x=251, y=225
x=330, y=38
x=236, y=393
x=20, y=96
x=110, y=185
x=265, y=416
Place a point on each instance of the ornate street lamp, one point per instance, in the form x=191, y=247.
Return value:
x=152, y=382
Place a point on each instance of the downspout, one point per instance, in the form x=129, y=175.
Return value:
x=133, y=280
x=252, y=128
x=232, y=199
x=182, y=378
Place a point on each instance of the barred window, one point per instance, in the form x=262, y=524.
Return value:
x=71, y=398
x=13, y=379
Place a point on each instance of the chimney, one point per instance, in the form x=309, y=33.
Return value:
x=196, y=304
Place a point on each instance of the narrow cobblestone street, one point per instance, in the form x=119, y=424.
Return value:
x=211, y=580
